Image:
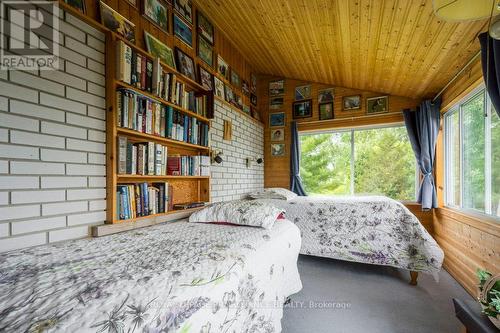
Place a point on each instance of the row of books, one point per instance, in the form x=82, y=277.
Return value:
x=143, y=73
x=188, y=165
x=140, y=113
x=143, y=199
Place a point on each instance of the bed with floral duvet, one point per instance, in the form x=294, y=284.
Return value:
x=177, y=277
x=367, y=229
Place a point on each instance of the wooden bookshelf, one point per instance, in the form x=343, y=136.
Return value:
x=185, y=188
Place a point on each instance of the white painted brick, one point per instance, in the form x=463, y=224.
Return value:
x=18, y=182
x=63, y=182
x=4, y=104
x=18, y=122
x=83, y=49
x=4, y=230
x=85, y=170
x=97, y=136
x=4, y=134
x=96, y=158
x=87, y=218
x=86, y=194
x=95, y=43
x=97, y=205
x=64, y=78
x=72, y=31
x=24, y=197
x=64, y=130
x=11, y=151
x=64, y=208
x=96, y=112
x=36, y=82
x=85, y=121
x=19, y=212
x=15, y=91
x=95, y=66
x=84, y=97
x=97, y=181
x=62, y=103
x=84, y=27
x=4, y=198
x=71, y=55
x=36, y=168
x=89, y=146
x=86, y=74
x=24, y=227
x=53, y=155
x=67, y=234
x=41, y=140
x=35, y=110
x=14, y=243
x=3, y=74
x=96, y=89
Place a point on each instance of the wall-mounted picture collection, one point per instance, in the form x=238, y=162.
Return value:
x=115, y=22
x=183, y=31
x=302, y=92
x=325, y=96
x=302, y=109
x=218, y=87
x=277, y=119
x=185, y=9
x=351, y=102
x=377, y=105
x=185, y=64
x=159, y=50
x=276, y=88
x=156, y=11
x=206, y=78
x=205, y=51
x=276, y=103
x=278, y=134
x=277, y=149
x=325, y=111
x=205, y=28
x=222, y=67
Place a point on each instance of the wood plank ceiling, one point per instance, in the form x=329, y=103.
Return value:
x=396, y=47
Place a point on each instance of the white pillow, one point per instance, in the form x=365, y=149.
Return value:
x=273, y=193
x=240, y=212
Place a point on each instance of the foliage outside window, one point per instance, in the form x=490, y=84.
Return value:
x=359, y=161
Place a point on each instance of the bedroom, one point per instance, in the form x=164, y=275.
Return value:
x=341, y=158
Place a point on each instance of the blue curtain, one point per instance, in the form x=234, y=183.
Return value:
x=423, y=127
x=490, y=61
x=295, y=180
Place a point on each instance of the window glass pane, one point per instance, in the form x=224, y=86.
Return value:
x=384, y=163
x=495, y=164
x=325, y=163
x=473, y=153
x=453, y=159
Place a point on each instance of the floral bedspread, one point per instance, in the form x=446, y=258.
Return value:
x=368, y=229
x=177, y=277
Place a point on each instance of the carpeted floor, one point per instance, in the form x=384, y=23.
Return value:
x=340, y=297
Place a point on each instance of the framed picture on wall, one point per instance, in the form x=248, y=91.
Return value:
x=183, y=31
x=351, y=102
x=222, y=67
x=278, y=134
x=325, y=96
x=255, y=113
x=277, y=119
x=159, y=50
x=229, y=95
x=205, y=27
x=325, y=111
x=78, y=4
x=185, y=9
x=253, y=99
x=218, y=88
x=302, y=92
x=206, y=78
x=235, y=79
x=246, y=108
x=275, y=102
x=132, y=2
x=117, y=23
x=302, y=109
x=277, y=149
x=276, y=88
x=156, y=11
x=237, y=101
x=377, y=105
x=205, y=51
x=244, y=88
x=185, y=64
x=253, y=83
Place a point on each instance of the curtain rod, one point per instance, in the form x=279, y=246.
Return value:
x=456, y=76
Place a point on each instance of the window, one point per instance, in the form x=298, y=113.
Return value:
x=472, y=155
x=359, y=161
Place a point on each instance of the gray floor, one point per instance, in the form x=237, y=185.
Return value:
x=340, y=296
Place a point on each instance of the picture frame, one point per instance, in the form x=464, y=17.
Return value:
x=228, y=94
x=255, y=113
x=219, y=88
x=183, y=31
x=326, y=111
x=222, y=67
x=237, y=101
x=235, y=79
x=253, y=99
x=326, y=96
x=351, y=102
x=246, y=109
x=276, y=102
x=206, y=78
x=185, y=64
x=253, y=83
x=159, y=50
x=277, y=119
x=117, y=23
x=277, y=149
x=278, y=134
x=156, y=11
x=77, y=4
x=303, y=92
x=205, y=51
x=276, y=87
x=245, y=88
x=302, y=109
x=185, y=9
x=205, y=27
x=133, y=3
x=377, y=105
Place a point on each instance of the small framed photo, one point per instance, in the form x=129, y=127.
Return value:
x=117, y=23
x=246, y=109
x=253, y=99
x=276, y=88
x=326, y=111
x=351, y=102
x=237, y=101
x=205, y=27
x=206, y=78
x=229, y=94
x=277, y=149
x=222, y=67
x=205, y=51
x=255, y=113
x=377, y=105
x=277, y=119
x=325, y=96
x=235, y=79
x=185, y=9
x=219, y=88
x=253, y=83
x=302, y=109
x=303, y=92
x=244, y=88
x=183, y=31
x=77, y=4
x=185, y=64
x=156, y=11
x=159, y=50
x=275, y=103
x=278, y=134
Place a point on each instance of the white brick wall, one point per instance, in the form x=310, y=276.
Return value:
x=52, y=162
x=232, y=179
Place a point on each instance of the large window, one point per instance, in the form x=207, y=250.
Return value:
x=360, y=161
x=472, y=155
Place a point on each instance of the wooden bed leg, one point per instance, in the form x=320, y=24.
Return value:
x=414, y=276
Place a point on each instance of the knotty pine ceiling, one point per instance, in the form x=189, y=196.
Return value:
x=390, y=46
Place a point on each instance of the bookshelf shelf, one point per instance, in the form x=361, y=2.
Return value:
x=145, y=178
